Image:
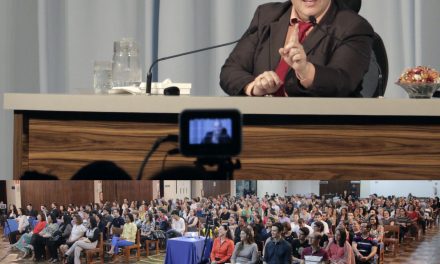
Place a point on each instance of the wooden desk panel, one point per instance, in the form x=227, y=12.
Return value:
x=287, y=147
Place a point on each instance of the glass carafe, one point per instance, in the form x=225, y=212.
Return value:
x=126, y=65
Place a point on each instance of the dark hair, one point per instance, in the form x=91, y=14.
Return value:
x=279, y=226
x=175, y=212
x=249, y=239
x=228, y=231
x=92, y=222
x=343, y=238
x=130, y=216
x=319, y=225
x=305, y=231
x=53, y=218
x=43, y=216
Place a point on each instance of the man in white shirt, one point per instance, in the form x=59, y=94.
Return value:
x=318, y=218
x=302, y=223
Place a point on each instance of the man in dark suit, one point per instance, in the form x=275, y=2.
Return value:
x=218, y=136
x=287, y=56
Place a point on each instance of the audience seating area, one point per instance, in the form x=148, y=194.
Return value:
x=403, y=222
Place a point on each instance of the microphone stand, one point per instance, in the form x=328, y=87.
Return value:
x=150, y=73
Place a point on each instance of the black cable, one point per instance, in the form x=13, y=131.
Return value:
x=159, y=141
x=171, y=152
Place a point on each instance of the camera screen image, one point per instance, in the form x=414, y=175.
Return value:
x=210, y=131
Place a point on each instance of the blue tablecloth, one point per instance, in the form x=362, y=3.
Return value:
x=184, y=250
x=10, y=226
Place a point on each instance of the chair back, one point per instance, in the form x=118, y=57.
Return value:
x=394, y=230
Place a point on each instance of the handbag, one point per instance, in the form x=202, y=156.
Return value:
x=56, y=236
x=158, y=234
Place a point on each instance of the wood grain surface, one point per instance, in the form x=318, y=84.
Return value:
x=281, y=150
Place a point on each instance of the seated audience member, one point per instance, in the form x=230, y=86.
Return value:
x=31, y=212
x=88, y=241
x=364, y=246
x=223, y=246
x=23, y=224
x=288, y=235
x=59, y=237
x=127, y=238
x=24, y=243
x=225, y=214
x=78, y=230
x=12, y=213
x=242, y=223
x=339, y=249
x=387, y=219
x=246, y=251
x=117, y=223
x=177, y=226
x=232, y=225
x=376, y=231
x=162, y=220
x=315, y=250
x=318, y=228
x=276, y=249
x=318, y=218
x=147, y=226
x=282, y=217
x=298, y=245
x=258, y=228
x=193, y=222
x=404, y=223
x=39, y=241
x=302, y=223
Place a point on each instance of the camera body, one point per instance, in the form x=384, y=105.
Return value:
x=210, y=133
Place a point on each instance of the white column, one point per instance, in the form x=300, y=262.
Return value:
x=13, y=192
x=233, y=190
x=97, y=191
x=196, y=189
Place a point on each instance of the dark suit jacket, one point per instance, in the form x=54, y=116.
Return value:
x=339, y=67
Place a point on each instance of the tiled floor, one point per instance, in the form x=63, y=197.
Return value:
x=426, y=251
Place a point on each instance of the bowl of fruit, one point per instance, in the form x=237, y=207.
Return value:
x=420, y=82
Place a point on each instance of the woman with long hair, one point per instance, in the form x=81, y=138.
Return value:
x=78, y=230
x=60, y=237
x=339, y=250
x=39, y=241
x=376, y=230
x=12, y=213
x=88, y=241
x=23, y=223
x=193, y=222
x=246, y=250
x=128, y=236
x=223, y=246
x=24, y=243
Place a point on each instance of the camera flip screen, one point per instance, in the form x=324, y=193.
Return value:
x=210, y=133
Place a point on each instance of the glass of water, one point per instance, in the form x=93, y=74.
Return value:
x=102, y=77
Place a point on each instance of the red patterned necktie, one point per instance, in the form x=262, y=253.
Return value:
x=283, y=68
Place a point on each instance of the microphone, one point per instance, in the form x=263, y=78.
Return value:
x=314, y=22
x=250, y=31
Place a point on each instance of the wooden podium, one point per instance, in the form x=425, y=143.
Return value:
x=283, y=138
